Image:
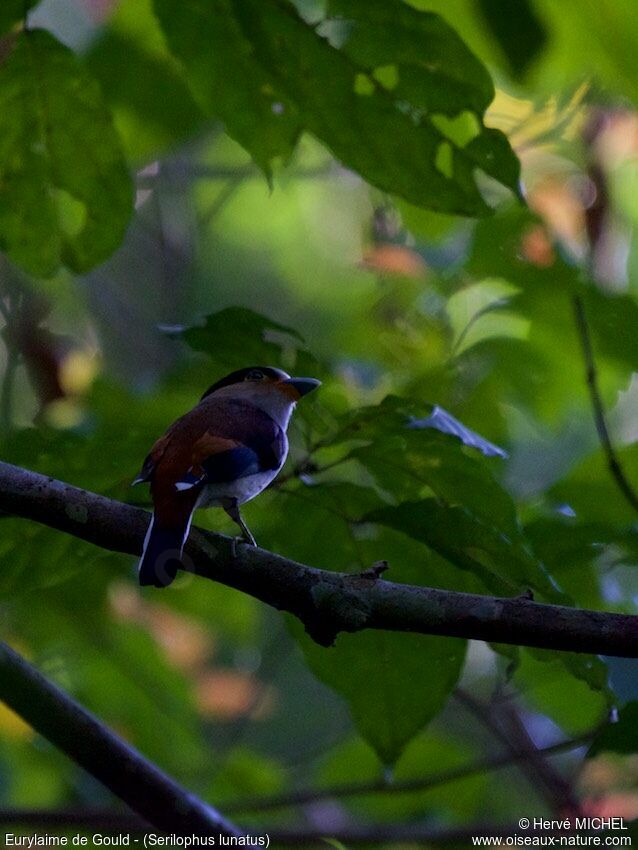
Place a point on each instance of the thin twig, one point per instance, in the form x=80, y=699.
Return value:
x=8, y=313
x=6, y=393
x=596, y=222
x=504, y=723
x=404, y=786
x=221, y=199
x=184, y=170
x=591, y=376
x=4, y=311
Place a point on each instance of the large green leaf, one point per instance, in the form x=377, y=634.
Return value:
x=394, y=683
x=405, y=112
x=411, y=454
x=505, y=565
x=65, y=191
x=228, y=82
x=236, y=337
x=472, y=522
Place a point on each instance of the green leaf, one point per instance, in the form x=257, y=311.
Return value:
x=65, y=191
x=568, y=687
x=574, y=549
x=521, y=36
x=152, y=105
x=590, y=669
x=394, y=683
x=619, y=737
x=431, y=753
x=593, y=494
x=472, y=522
x=208, y=37
x=316, y=512
x=504, y=564
x=238, y=336
x=382, y=105
x=413, y=465
x=12, y=11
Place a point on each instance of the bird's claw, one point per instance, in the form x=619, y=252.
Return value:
x=375, y=571
x=235, y=540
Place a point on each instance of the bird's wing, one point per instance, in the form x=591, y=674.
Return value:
x=257, y=444
x=153, y=458
x=219, y=440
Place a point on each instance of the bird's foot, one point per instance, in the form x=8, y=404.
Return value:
x=235, y=540
x=375, y=571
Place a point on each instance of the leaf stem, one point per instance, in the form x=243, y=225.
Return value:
x=403, y=786
x=591, y=377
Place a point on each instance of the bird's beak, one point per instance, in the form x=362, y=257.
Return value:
x=302, y=386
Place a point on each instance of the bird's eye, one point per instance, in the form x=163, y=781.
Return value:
x=254, y=375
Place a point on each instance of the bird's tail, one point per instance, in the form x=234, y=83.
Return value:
x=162, y=554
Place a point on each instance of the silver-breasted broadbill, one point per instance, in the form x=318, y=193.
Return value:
x=222, y=453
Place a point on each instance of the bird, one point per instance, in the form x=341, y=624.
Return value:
x=222, y=453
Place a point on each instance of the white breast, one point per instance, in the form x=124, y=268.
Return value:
x=243, y=489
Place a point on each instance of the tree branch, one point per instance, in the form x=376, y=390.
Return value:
x=326, y=602
x=144, y=788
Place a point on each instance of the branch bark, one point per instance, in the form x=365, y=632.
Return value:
x=149, y=792
x=326, y=602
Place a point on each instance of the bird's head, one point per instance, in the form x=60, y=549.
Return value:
x=266, y=387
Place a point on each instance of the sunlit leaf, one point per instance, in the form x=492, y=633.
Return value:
x=379, y=106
